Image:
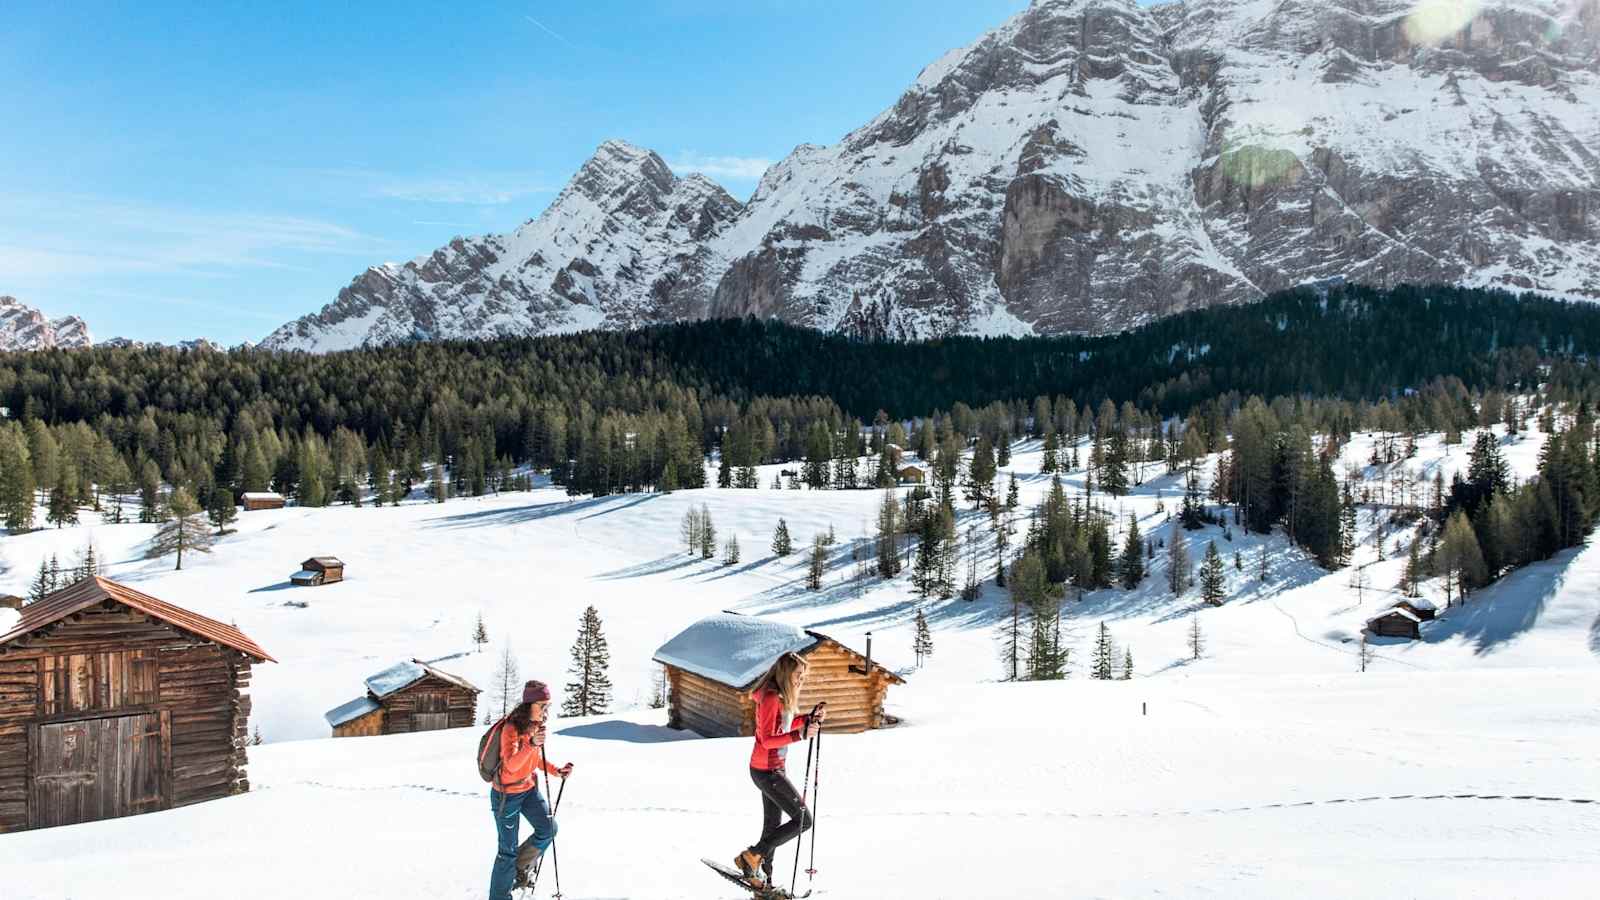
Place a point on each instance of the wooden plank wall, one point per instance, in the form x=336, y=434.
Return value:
x=399, y=706
x=712, y=709
x=364, y=726
x=120, y=660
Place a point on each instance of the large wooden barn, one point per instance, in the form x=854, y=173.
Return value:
x=406, y=697
x=114, y=703
x=254, y=500
x=713, y=664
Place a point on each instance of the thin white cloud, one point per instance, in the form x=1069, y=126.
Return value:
x=486, y=189
x=749, y=168
x=548, y=30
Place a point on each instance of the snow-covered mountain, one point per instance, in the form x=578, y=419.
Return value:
x=1087, y=166
x=24, y=328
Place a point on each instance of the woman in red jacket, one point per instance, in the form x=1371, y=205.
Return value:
x=777, y=696
x=515, y=793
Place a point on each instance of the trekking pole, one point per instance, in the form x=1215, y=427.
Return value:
x=805, y=783
x=539, y=867
x=816, y=797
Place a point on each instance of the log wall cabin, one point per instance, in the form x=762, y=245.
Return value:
x=1396, y=623
x=114, y=703
x=713, y=665
x=409, y=696
x=319, y=570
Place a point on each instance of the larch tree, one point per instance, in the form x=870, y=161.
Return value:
x=589, y=691
x=1131, y=565
x=184, y=530
x=818, y=564
x=221, y=510
x=889, y=536
x=1127, y=664
x=1102, y=665
x=708, y=533
x=1197, y=638
x=480, y=634
x=506, y=688
x=1178, y=574
x=730, y=551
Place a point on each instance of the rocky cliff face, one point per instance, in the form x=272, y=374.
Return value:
x=1087, y=166
x=24, y=328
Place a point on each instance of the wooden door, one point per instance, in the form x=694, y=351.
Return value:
x=431, y=713
x=96, y=769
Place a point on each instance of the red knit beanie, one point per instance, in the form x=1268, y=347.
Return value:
x=535, y=692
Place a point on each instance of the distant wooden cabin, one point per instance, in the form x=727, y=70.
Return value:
x=319, y=570
x=11, y=601
x=114, y=703
x=1421, y=607
x=254, y=500
x=713, y=664
x=911, y=475
x=409, y=696
x=1396, y=623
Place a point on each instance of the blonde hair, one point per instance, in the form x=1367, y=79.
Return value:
x=785, y=677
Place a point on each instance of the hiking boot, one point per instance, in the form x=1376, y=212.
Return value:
x=527, y=861
x=749, y=863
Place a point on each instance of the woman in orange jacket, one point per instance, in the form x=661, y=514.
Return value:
x=777, y=696
x=516, y=792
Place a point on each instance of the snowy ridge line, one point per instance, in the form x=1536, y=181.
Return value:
x=974, y=814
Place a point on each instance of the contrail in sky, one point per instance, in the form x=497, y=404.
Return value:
x=548, y=30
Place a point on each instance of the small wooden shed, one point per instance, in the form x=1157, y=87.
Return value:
x=912, y=475
x=1396, y=623
x=319, y=570
x=713, y=664
x=406, y=697
x=254, y=500
x=1421, y=607
x=114, y=703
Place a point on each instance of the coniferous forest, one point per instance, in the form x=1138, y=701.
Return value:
x=607, y=412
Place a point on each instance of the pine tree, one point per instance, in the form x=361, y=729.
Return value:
x=730, y=551
x=708, y=534
x=1051, y=462
x=480, y=634
x=1213, y=578
x=438, y=491
x=1461, y=557
x=1131, y=566
x=922, y=640
x=63, y=509
x=1263, y=571
x=818, y=564
x=1127, y=664
x=1178, y=574
x=589, y=691
x=980, y=474
x=1347, y=527
x=1193, y=513
x=506, y=687
x=1411, y=577
x=221, y=511
x=1102, y=665
x=690, y=530
x=42, y=584
x=88, y=562
x=184, y=530
x=782, y=544
x=1011, y=493
x=1197, y=639
x=16, y=480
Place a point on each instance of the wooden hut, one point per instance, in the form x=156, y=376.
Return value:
x=713, y=664
x=912, y=475
x=409, y=696
x=319, y=570
x=254, y=500
x=114, y=703
x=1421, y=607
x=1396, y=623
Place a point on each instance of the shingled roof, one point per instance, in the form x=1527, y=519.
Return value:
x=94, y=590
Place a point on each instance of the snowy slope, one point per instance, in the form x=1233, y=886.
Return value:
x=1086, y=166
x=24, y=328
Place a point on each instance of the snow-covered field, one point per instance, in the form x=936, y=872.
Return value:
x=1268, y=768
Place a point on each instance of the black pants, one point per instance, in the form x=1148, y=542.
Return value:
x=778, y=797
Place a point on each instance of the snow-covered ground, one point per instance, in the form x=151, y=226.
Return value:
x=1268, y=768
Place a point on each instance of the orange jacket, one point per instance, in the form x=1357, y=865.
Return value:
x=520, y=759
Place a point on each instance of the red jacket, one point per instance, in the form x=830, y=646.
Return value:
x=520, y=760
x=772, y=738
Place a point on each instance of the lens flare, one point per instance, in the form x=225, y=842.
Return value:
x=1255, y=166
x=1436, y=21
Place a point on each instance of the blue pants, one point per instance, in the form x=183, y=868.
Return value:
x=506, y=809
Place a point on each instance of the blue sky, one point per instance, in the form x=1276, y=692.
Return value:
x=172, y=171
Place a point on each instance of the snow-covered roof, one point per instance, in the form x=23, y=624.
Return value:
x=402, y=675
x=1418, y=603
x=349, y=712
x=1395, y=612
x=262, y=495
x=304, y=575
x=732, y=649
x=325, y=561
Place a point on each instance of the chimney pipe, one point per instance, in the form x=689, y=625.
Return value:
x=869, y=654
